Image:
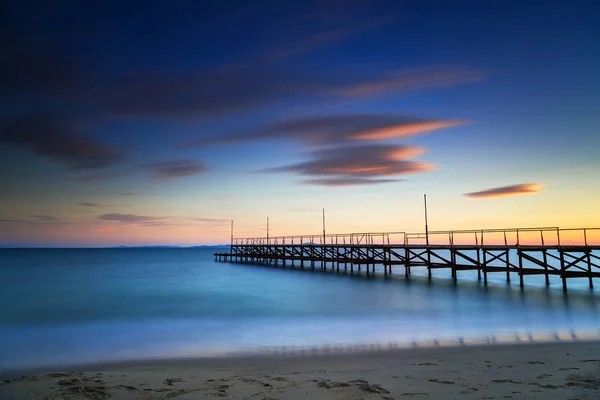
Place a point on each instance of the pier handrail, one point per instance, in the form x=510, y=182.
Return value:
x=515, y=238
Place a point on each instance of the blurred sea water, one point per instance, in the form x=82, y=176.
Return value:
x=65, y=307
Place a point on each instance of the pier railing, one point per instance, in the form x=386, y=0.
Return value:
x=513, y=237
x=567, y=253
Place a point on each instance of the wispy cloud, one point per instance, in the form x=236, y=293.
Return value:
x=177, y=169
x=146, y=220
x=508, y=191
x=347, y=181
x=131, y=194
x=44, y=218
x=328, y=37
x=411, y=79
x=129, y=218
x=358, y=165
x=94, y=205
x=333, y=129
x=591, y=169
x=52, y=138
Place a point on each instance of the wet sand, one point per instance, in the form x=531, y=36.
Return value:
x=564, y=370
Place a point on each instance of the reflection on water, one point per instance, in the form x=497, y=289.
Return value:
x=80, y=306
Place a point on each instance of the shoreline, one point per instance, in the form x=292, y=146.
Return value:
x=524, y=370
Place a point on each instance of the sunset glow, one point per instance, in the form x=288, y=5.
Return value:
x=131, y=127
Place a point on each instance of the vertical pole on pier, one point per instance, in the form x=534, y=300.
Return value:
x=507, y=260
x=484, y=266
x=478, y=258
x=267, y=230
x=301, y=252
x=323, y=225
x=324, y=265
x=426, y=226
x=337, y=253
x=427, y=239
x=231, y=245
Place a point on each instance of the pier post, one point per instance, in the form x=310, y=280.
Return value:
x=301, y=253
x=507, y=261
x=484, y=267
x=545, y=256
x=521, y=283
x=478, y=264
x=406, y=259
x=589, y=264
x=351, y=255
x=337, y=254
x=453, y=257
x=562, y=270
x=283, y=253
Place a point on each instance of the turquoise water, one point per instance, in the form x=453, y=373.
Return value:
x=75, y=306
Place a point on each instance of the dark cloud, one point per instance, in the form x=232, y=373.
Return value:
x=177, y=169
x=94, y=205
x=129, y=218
x=131, y=194
x=338, y=128
x=508, y=191
x=44, y=218
x=343, y=181
x=172, y=94
x=52, y=138
x=358, y=165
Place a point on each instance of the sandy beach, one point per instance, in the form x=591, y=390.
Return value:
x=568, y=370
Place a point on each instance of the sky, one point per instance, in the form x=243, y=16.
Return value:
x=158, y=123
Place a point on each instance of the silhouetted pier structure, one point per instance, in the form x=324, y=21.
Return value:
x=567, y=253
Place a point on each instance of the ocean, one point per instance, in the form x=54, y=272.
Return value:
x=65, y=307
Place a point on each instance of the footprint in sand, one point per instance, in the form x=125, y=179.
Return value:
x=507, y=381
x=441, y=381
x=543, y=376
x=170, y=381
x=415, y=394
x=469, y=390
x=544, y=386
x=536, y=362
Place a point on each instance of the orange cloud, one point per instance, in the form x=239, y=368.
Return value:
x=359, y=165
x=406, y=129
x=339, y=128
x=508, y=191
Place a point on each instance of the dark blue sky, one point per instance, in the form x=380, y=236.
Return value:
x=192, y=102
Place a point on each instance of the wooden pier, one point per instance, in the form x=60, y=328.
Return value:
x=567, y=253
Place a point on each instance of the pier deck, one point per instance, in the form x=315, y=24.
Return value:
x=568, y=253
